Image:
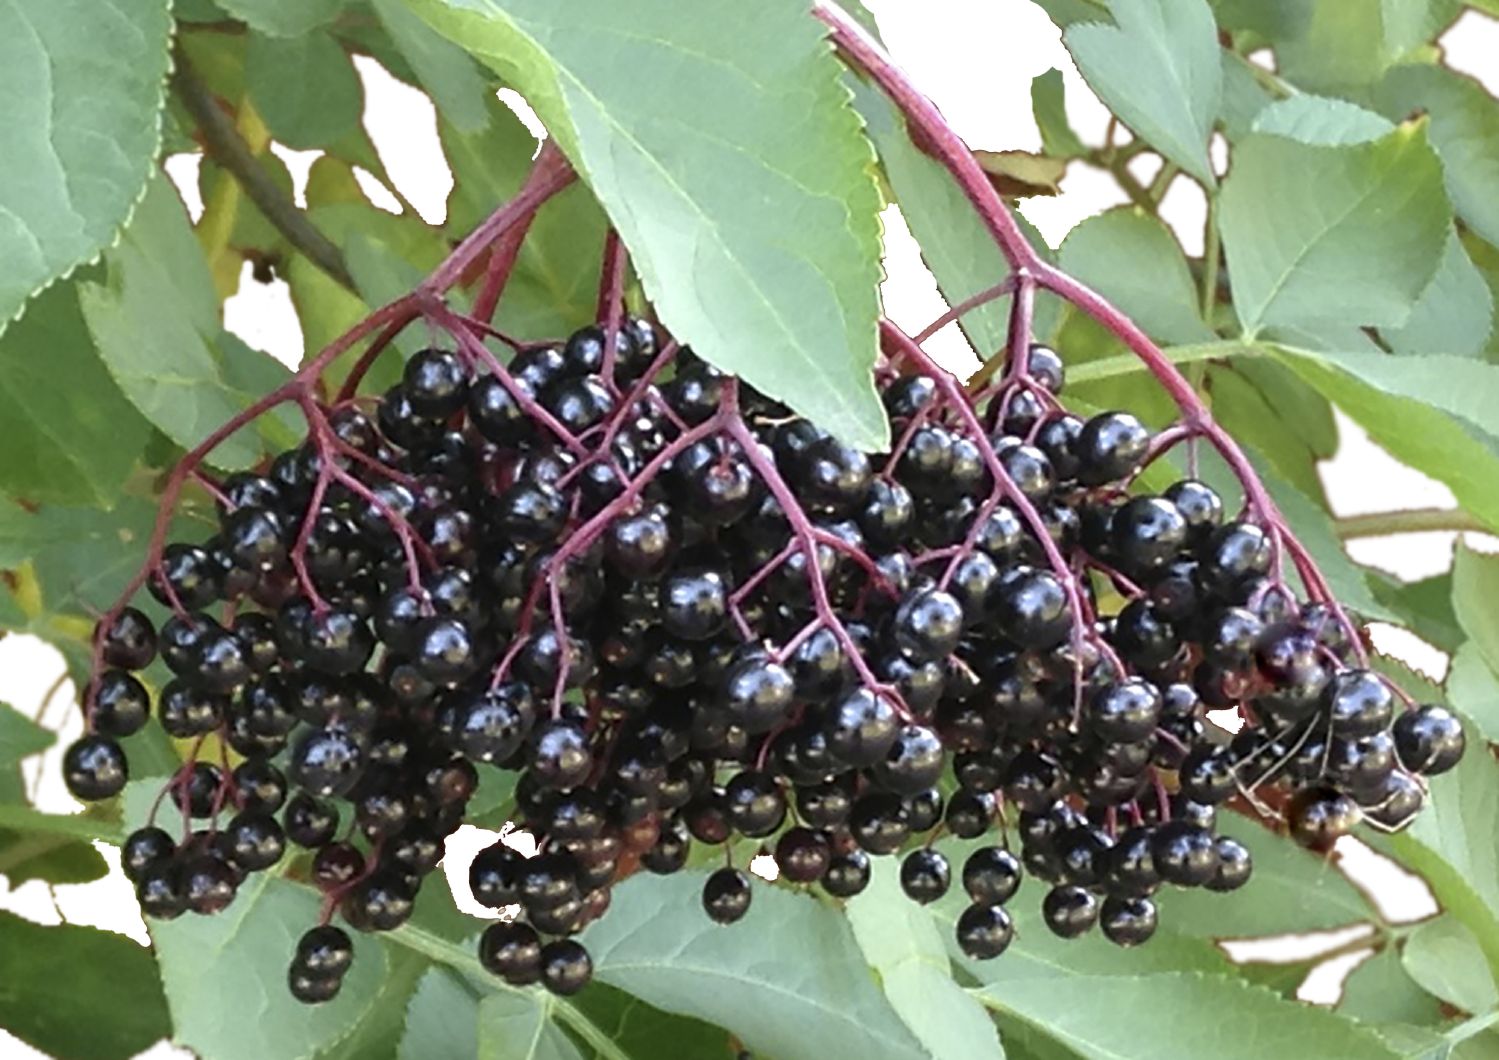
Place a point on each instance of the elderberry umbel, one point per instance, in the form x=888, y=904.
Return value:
x=682, y=615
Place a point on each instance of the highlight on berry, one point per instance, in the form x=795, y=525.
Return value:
x=779, y=659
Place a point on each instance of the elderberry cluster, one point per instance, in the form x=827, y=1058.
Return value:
x=683, y=615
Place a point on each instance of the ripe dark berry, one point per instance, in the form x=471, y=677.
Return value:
x=566, y=967
x=1125, y=712
x=879, y=823
x=1128, y=921
x=94, y=768
x=927, y=625
x=254, y=841
x=1069, y=911
x=802, y=855
x=129, y=642
x=121, y=704
x=308, y=821
x=159, y=891
x=1359, y=703
x=324, y=952
x=847, y=875
x=985, y=931
x=381, y=902
x=191, y=574
x=1032, y=609
x=914, y=762
x=1185, y=855
x=925, y=875
x=327, y=762
x=754, y=803
x=1234, y=865
x=991, y=875
x=436, y=383
x=758, y=694
x=862, y=728
x=1109, y=447
x=208, y=885
x=145, y=849
x=726, y=895
x=1320, y=816
x=1429, y=740
x=512, y=951
x=694, y=604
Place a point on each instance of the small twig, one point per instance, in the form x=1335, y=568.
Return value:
x=224, y=143
x=1420, y=521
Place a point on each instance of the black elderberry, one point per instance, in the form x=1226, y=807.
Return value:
x=925, y=875
x=1032, y=608
x=512, y=951
x=878, y=823
x=255, y=841
x=1234, y=865
x=862, y=728
x=758, y=694
x=435, y=383
x=94, y=768
x=1110, y=446
x=1069, y=911
x=1429, y=740
x=726, y=895
x=991, y=875
x=1320, y=816
x=382, y=901
x=145, y=849
x=208, y=885
x=327, y=761
x=914, y=762
x=847, y=874
x=566, y=967
x=160, y=892
x=309, y=822
x=928, y=624
x=970, y=814
x=129, y=642
x=121, y=705
x=984, y=931
x=1128, y=921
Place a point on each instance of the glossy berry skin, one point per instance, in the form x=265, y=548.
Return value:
x=1070, y=912
x=726, y=895
x=327, y=762
x=754, y=803
x=1185, y=855
x=129, y=643
x=159, y=891
x=1128, y=921
x=312, y=989
x=927, y=625
x=1147, y=533
x=94, y=768
x=925, y=875
x=802, y=855
x=1031, y=609
x=512, y=951
x=308, y=821
x=862, y=728
x=1318, y=817
x=1125, y=712
x=566, y=967
x=694, y=604
x=847, y=875
x=914, y=762
x=985, y=931
x=758, y=694
x=382, y=902
x=1234, y=865
x=255, y=841
x=992, y=875
x=144, y=849
x=1359, y=703
x=435, y=383
x=1109, y=447
x=324, y=952
x=1429, y=740
x=121, y=704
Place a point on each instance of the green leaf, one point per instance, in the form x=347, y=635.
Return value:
x=795, y=958
x=1464, y=122
x=1244, y=97
x=1380, y=990
x=1332, y=234
x=961, y=255
x=1179, y=1016
x=457, y=85
x=53, y=858
x=70, y=444
x=751, y=213
x=76, y=560
x=1425, y=607
x=381, y=1033
x=1292, y=891
x=156, y=323
x=1475, y=583
x=85, y=85
x=1346, y=45
x=75, y=991
x=442, y=1018
x=1159, y=70
x=1473, y=688
x=1133, y=260
x=1321, y=122
x=1443, y=956
x=20, y=737
x=639, y=1030
x=1049, y=106
x=1455, y=314
x=236, y=962
x=284, y=18
x=514, y=1026
x=1429, y=412
x=1451, y=843
x=901, y=942
x=304, y=87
